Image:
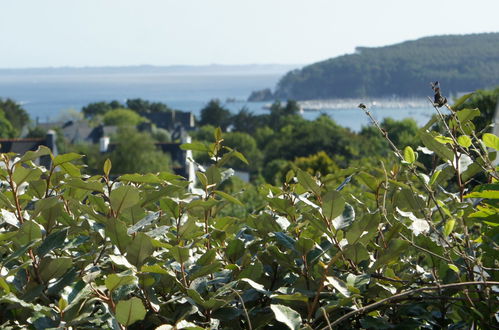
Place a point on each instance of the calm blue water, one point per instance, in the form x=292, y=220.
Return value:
x=46, y=96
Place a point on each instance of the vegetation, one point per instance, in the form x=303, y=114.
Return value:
x=464, y=62
x=12, y=118
x=411, y=240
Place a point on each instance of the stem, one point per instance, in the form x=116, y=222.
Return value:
x=402, y=295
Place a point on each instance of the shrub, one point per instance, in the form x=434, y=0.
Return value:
x=416, y=248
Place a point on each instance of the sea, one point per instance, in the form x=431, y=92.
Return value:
x=48, y=94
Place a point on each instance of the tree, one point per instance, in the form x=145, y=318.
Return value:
x=135, y=152
x=96, y=109
x=15, y=114
x=142, y=106
x=6, y=128
x=246, y=144
x=214, y=114
x=123, y=117
x=486, y=101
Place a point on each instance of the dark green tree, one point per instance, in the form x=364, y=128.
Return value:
x=15, y=114
x=215, y=114
x=6, y=128
x=96, y=109
x=136, y=152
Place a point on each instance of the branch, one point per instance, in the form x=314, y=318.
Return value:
x=402, y=295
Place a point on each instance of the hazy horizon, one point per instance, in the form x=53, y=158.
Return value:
x=94, y=33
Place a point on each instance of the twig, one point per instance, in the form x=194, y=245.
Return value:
x=250, y=327
x=402, y=295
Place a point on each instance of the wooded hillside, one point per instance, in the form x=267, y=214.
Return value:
x=461, y=62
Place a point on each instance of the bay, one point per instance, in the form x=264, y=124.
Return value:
x=46, y=94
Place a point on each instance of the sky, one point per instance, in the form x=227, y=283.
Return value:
x=57, y=33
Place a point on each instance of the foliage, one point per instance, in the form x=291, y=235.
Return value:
x=122, y=117
x=142, y=106
x=99, y=108
x=418, y=247
x=138, y=105
x=464, y=62
x=215, y=114
x=6, y=128
x=135, y=152
x=14, y=114
x=486, y=101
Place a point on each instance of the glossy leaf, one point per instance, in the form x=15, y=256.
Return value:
x=286, y=315
x=491, y=140
x=130, y=311
x=123, y=198
x=140, y=249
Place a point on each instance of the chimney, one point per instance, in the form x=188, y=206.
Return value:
x=51, y=141
x=103, y=144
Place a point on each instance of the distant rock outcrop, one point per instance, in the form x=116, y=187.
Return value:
x=261, y=95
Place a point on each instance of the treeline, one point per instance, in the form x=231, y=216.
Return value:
x=463, y=62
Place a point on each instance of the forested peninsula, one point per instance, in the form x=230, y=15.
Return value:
x=461, y=62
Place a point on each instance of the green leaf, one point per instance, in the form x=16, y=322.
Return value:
x=123, y=198
x=130, y=311
x=32, y=155
x=333, y=205
x=54, y=268
x=363, y=230
x=117, y=232
x=392, y=253
x=464, y=141
x=180, y=254
x=240, y=156
x=253, y=272
x=4, y=285
x=213, y=175
x=70, y=169
x=491, y=140
x=113, y=281
x=235, y=250
x=53, y=241
x=207, y=258
x=205, y=270
x=64, y=158
x=195, y=146
x=107, y=167
x=228, y=197
x=12, y=301
x=339, y=285
x=217, y=134
x=23, y=174
x=140, y=248
x=466, y=115
x=454, y=268
x=29, y=232
x=444, y=139
x=409, y=155
x=140, y=178
x=449, y=227
x=308, y=182
x=434, y=177
x=460, y=101
x=303, y=245
x=286, y=315
x=156, y=269
x=441, y=150
x=202, y=178
x=488, y=194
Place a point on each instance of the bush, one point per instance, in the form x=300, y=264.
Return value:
x=417, y=248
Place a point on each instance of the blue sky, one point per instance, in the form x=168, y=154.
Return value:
x=36, y=33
